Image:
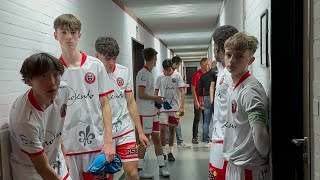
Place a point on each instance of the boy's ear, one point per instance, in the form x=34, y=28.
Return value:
x=251, y=59
x=55, y=34
x=29, y=81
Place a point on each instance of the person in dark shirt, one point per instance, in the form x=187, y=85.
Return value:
x=204, y=97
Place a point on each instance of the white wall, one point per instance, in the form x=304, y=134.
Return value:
x=232, y=14
x=315, y=85
x=27, y=28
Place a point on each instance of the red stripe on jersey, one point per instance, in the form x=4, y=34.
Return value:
x=219, y=142
x=127, y=91
x=147, y=68
x=142, y=86
x=120, y=135
x=182, y=87
x=82, y=152
x=66, y=176
x=147, y=115
x=243, y=77
x=83, y=58
x=106, y=93
x=33, y=101
x=33, y=154
x=114, y=68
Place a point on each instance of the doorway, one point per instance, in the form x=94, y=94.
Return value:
x=137, y=60
x=189, y=73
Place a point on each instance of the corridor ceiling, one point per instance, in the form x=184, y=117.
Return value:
x=185, y=26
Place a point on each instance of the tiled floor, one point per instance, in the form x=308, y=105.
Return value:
x=191, y=163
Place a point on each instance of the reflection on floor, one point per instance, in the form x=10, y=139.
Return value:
x=191, y=163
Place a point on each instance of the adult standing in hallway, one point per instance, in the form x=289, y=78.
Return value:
x=147, y=110
x=206, y=80
x=176, y=60
x=216, y=165
x=123, y=106
x=246, y=142
x=198, y=112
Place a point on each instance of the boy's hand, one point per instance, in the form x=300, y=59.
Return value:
x=109, y=151
x=158, y=112
x=159, y=99
x=196, y=104
x=181, y=112
x=144, y=140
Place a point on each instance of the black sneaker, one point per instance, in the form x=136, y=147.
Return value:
x=170, y=157
x=195, y=141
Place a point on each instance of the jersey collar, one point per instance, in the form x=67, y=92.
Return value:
x=83, y=59
x=243, y=77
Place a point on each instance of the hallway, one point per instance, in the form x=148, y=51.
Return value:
x=191, y=163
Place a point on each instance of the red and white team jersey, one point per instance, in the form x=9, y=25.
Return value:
x=122, y=83
x=220, y=102
x=84, y=127
x=246, y=96
x=145, y=79
x=35, y=131
x=169, y=89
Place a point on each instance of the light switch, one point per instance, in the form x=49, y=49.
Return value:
x=316, y=107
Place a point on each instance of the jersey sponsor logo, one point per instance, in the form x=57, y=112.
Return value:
x=63, y=110
x=117, y=126
x=120, y=81
x=30, y=115
x=50, y=138
x=116, y=96
x=74, y=95
x=229, y=125
x=233, y=106
x=89, y=77
x=174, y=80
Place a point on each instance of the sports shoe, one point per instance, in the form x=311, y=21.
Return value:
x=144, y=175
x=171, y=157
x=184, y=145
x=195, y=141
x=164, y=171
x=207, y=144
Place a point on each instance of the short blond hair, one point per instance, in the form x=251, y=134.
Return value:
x=242, y=42
x=68, y=21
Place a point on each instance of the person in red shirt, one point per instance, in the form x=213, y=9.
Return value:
x=205, y=66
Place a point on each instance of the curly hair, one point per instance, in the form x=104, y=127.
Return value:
x=222, y=33
x=107, y=46
x=242, y=42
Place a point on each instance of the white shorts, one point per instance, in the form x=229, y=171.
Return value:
x=217, y=165
x=149, y=123
x=28, y=172
x=240, y=173
x=168, y=118
x=126, y=146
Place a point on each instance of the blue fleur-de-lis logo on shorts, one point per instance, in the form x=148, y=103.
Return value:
x=86, y=137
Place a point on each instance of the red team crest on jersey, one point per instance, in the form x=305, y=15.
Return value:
x=63, y=110
x=174, y=80
x=120, y=81
x=89, y=77
x=233, y=106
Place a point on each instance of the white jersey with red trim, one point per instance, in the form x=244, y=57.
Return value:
x=84, y=127
x=247, y=95
x=121, y=83
x=169, y=88
x=145, y=79
x=35, y=131
x=220, y=102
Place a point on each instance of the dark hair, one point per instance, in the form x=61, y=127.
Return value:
x=222, y=33
x=67, y=21
x=176, y=60
x=39, y=64
x=107, y=46
x=148, y=54
x=167, y=63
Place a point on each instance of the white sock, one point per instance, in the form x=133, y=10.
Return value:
x=170, y=150
x=141, y=163
x=164, y=149
x=160, y=160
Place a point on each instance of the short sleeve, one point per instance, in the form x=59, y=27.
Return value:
x=129, y=87
x=180, y=82
x=104, y=83
x=28, y=138
x=194, y=79
x=141, y=80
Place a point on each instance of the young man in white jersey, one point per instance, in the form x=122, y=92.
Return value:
x=123, y=106
x=89, y=123
x=171, y=87
x=217, y=165
x=246, y=141
x=36, y=121
x=147, y=110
